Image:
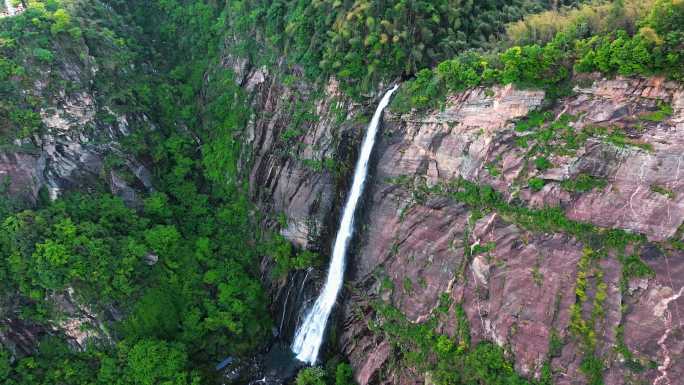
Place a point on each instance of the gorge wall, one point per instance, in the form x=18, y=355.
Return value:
x=520, y=292
x=414, y=244
x=78, y=147
x=544, y=226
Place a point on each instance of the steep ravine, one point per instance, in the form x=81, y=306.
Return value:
x=517, y=295
x=299, y=183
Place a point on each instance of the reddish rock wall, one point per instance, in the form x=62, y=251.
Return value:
x=523, y=289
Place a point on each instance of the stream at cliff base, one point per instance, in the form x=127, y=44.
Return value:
x=309, y=336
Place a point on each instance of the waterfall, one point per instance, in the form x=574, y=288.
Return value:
x=309, y=336
x=9, y=7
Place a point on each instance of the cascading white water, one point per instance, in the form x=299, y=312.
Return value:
x=10, y=8
x=309, y=336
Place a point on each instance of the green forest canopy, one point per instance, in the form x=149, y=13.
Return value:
x=203, y=299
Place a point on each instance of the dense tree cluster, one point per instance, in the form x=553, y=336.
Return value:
x=181, y=268
x=585, y=20
x=362, y=42
x=656, y=48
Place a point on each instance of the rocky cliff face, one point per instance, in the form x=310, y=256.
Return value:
x=77, y=147
x=301, y=145
x=521, y=291
x=80, y=132
x=298, y=170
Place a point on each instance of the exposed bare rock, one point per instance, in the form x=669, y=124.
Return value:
x=19, y=337
x=296, y=175
x=520, y=291
x=373, y=363
x=122, y=189
x=151, y=259
x=455, y=141
x=8, y=9
x=527, y=295
x=21, y=171
x=654, y=326
x=79, y=323
x=488, y=109
x=71, y=148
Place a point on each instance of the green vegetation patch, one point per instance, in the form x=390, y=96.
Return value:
x=536, y=184
x=181, y=269
x=583, y=183
x=662, y=190
x=551, y=219
x=362, y=42
x=634, y=267
x=449, y=360
x=653, y=49
x=664, y=111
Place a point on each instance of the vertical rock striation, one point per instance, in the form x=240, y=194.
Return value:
x=521, y=290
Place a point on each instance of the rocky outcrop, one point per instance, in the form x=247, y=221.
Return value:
x=288, y=176
x=75, y=321
x=79, y=132
x=80, y=324
x=20, y=172
x=630, y=202
x=79, y=136
x=7, y=9
x=296, y=164
x=20, y=337
x=520, y=291
x=301, y=149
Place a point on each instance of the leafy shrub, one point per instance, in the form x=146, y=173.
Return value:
x=663, y=191
x=593, y=368
x=583, y=183
x=555, y=344
x=311, y=376
x=664, y=111
x=634, y=267
x=344, y=374
x=61, y=21
x=43, y=55
x=533, y=120
x=542, y=163
x=449, y=361
x=536, y=184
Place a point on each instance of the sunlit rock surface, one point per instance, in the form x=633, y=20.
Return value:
x=523, y=290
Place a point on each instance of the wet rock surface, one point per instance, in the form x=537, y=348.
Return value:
x=275, y=366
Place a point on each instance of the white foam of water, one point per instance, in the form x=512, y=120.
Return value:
x=309, y=336
x=10, y=8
